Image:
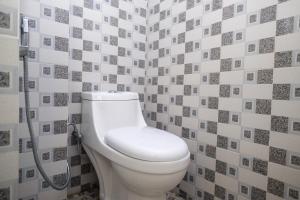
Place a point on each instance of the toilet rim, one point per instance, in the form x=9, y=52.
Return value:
x=152, y=167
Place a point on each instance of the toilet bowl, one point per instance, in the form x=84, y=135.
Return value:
x=132, y=161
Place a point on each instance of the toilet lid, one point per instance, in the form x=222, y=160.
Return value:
x=147, y=144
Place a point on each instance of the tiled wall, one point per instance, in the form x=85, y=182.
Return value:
x=225, y=76
x=9, y=98
x=75, y=46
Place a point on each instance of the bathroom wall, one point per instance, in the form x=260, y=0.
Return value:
x=224, y=75
x=9, y=98
x=75, y=46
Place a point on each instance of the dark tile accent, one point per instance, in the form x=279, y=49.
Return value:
x=215, y=53
x=208, y=196
x=265, y=76
x=181, y=38
x=227, y=38
x=279, y=124
x=61, y=72
x=76, y=54
x=76, y=118
x=295, y=160
x=60, y=154
x=283, y=59
x=257, y=194
x=276, y=187
x=214, y=78
x=268, y=14
x=75, y=181
x=4, y=138
x=226, y=64
x=260, y=166
x=209, y=175
x=77, y=11
x=62, y=15
x=266, y=45
x=263, y=106
x=216, y=4
x=210, y=151
x=190, y=25
x=60, y=126
x=189, y=47
x=216, y=28
x=281, y=91
x=61, y=44
x=285, y=26
x=261, y=136
x=213, y=102
x=61, y=99
x=220, y=192
x=88, y=24
x=87, y=45
x=212, y=127
x=222, y=142
x=75, y=160
x=4, y=79
x=77, y=33
x=224, y=91
x=221, y=167
x=277, y=155
x=88, y=4
x=228, y=12
x=223, y=116
x=294, y=194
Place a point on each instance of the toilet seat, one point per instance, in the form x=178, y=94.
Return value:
x=147, y=144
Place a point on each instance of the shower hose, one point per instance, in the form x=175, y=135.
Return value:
x=57, y=186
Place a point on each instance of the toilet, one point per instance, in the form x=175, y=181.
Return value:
x=132, y=161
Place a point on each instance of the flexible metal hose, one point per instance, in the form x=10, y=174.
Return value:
x=34, y=145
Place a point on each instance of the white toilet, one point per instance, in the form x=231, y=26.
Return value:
x=132, y=160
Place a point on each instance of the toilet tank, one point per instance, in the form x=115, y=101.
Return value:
x=103, y=111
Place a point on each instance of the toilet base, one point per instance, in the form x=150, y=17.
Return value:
x=113, y=181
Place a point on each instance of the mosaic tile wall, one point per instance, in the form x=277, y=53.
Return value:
x=225, y=76
x=9, y=98
x=75, y=46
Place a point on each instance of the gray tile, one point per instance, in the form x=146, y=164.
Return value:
x=216, y=28
x=88, y=24
x=285, y=26
x=189, y=25
x=87, y=45
x=62, y=15
x=114, y=21
x=223, y=116
x=228, y=12
x=265, y=76
x=181, y=17
x=77, y=11
x=208, y=196
x=190, y=4
x=257, y=194
x=220, y=192
x=215, y=53
x=283, y=59
x=261, y=136
x=61, y=99
x=186, y=111
x=161, y=52
x=60, y=154
x=122, y=33
x=213, y=102
x=268, y=14
x=113, y=60
x=60, y=72
x=212, y=127
x=76, y=54
x=224, y=91
x=263, y=106
x=209, y=175
x=181, y=38
x=61, y=44
x=162, y=34
x=227, y=38
x=75, y=160
x=189, y=47
x=226, y=65
x=86, y=86
x=216, y=4
x=5, y=138
x=266, y=45
x=187, y=90
x=4, y=79
x=88, y=4
x=210, y=151
x=5, y=20
x=77, y=32
x=277, y=155
x=180, y=59
x=279, y=124
x=281, y=91
x=87, y=66
x=76, y=97
x=121, y=51
x=76, y=76
x=222, y=142
x=295, y=160
x=60, y=126
x=113, y=40
x=276, y=187
x=293, y=193
x=114, y=3
x=221, y=167
x=260, y=166
x=179, y=100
